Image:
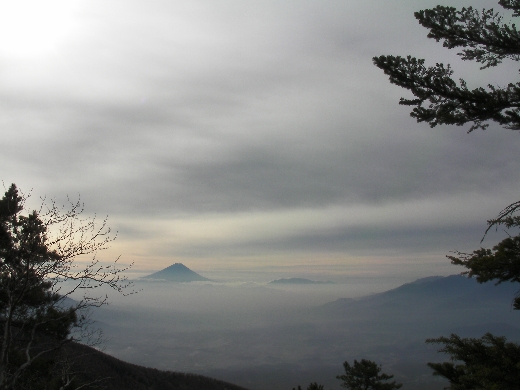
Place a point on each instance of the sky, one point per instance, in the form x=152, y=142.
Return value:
x=231, y=135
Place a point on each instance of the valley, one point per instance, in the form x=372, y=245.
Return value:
x=260, y=337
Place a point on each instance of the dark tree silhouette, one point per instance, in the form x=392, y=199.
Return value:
x=38, y=273
x=312, y=386
x=484, y=39
x=366, y=375
x=502, y=262
x=487, y=40
x=486, y=363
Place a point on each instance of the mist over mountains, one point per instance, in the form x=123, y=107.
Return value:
x=274, y=336
x=298, y=281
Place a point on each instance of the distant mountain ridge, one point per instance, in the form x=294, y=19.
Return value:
x=298, y=281
x=435, y=303
x=177, y=273
x=454, y=291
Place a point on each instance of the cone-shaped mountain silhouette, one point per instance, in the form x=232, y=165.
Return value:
x=177, y=273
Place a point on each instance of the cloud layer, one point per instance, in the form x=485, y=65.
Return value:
x=265, y=122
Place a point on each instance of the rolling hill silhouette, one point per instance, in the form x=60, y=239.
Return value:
x=177, y=273
x=434, y=293
x=433, y=304
x=93, y=366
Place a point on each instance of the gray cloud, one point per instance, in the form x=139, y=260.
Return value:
x=164, y=110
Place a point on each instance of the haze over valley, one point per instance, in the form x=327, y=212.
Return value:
x=259, y=335
x=277, y=207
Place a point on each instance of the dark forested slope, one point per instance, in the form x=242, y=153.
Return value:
x=114, y=374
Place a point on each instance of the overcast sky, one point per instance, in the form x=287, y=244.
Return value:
x=248, y=134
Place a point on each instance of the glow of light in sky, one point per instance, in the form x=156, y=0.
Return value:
x=30, y=28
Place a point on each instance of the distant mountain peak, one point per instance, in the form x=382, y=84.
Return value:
x=177, y=272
